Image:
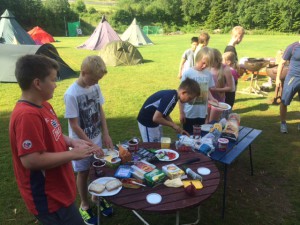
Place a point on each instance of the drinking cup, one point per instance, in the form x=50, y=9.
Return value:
x=196, y=130
x=165, y=142
x=98, y=167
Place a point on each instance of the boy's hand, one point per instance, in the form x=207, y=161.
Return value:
x=107, y=141
x=182, y=118
x=80, y=143
x=81, y=152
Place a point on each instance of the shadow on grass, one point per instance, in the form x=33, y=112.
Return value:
x=147, y=61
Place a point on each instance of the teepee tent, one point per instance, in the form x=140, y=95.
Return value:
x=9, y=54
x=11, y=32
x=103, y=34
x=120, y=53
x=135, y=35
x=40, y=36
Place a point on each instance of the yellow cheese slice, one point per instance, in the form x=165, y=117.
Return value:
x=196, y=183
x=108, y=158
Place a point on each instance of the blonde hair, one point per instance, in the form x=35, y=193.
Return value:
x=217, y=64
x=204, y=38
x=206, y=53
x=237, y=30
x=229, y=59
x=93, y=64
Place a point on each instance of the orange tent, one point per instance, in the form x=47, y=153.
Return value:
x=40, y=36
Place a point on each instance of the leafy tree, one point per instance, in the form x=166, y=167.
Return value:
x=217, y=11
x=79, y=6
x=195, y=11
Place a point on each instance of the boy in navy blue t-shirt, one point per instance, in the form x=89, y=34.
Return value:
x=156, y=110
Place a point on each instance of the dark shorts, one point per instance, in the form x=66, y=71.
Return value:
x=188, y=125
x=290, y=88
x=64, y=216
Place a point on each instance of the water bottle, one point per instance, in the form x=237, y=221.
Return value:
x=193, y=174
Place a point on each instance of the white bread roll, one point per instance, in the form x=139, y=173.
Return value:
x=97, y=188
x=113, y=184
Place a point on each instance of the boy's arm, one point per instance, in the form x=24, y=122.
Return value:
x=159, y=118
x=183, y=60
x=181, y=113
x=77, y=129
x=46, y=160
x=279, y=71
x=106, y=138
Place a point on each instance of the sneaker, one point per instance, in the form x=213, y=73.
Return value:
x=283, y=128
x=88, y=216
x=106, y=208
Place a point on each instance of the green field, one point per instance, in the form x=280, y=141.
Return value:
x=271, y=196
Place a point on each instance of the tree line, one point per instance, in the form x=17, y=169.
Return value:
x=272, y=15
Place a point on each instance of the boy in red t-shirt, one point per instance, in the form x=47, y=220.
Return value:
x=40, y=151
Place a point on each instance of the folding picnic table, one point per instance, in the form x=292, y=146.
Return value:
x=246, y=136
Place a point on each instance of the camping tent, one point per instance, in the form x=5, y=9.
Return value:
x=40, y=36
x=102, y=35
x=9, y=55
x=11, y=32
x=135, y=35
x=120, y=53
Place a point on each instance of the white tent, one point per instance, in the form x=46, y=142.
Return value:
x=102, y=35
x=135, y=35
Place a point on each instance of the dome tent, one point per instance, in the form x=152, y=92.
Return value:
x=11, y=31
x=9, y=54
x=102, y=35
x=40, y=36
x=135, y=35
x=120, y=53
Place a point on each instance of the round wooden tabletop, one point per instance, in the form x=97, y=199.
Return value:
x=173, y=199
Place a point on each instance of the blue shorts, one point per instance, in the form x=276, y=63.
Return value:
x=64, y=216
x=290, y=88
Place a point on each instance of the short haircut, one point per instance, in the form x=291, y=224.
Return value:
x=30, y=67
x=94, y=65
x=190, y=86
x=194, y=39
x=204, y=38
x=205, y=52
x=237, y=30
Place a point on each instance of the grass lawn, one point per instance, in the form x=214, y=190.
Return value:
x=271, y=196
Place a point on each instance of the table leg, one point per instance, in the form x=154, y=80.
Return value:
x=98, y=210
x=140, y=217
x=224, y=190
x=251, y=164
x=194, y=223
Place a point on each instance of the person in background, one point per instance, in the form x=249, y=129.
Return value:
x=156, y=110
x=203, y=41
x=291, y=83
x=237, y=35
x=187, y=60
x=229, y=60
x=223, y=82
x=40, y=151
x=86, y=120
x=195, y=113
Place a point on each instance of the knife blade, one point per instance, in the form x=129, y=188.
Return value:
x=188, y=161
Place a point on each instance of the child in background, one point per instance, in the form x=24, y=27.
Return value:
x=187, y=59
x=195, y=113
x=86, y=120
x=237, y=35
x=224, y=82
x=229, y=60
x=203, y=41
x=40, y=151
x=157, y=108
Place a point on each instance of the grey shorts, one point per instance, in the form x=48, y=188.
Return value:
x=64, y=216
x=290, y=88
x=83, y=164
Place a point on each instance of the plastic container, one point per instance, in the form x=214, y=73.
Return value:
x=113, y=163
x=172, y=171
x=222, y=144
x=154, y=177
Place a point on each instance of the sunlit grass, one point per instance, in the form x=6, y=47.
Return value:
x=251, y=200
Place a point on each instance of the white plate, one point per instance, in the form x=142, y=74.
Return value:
x=203, y=171
x=166, y=159
x=108, y=154
x=206, y=127
x=154, y=198
x=103, y=180
x=220, y=105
